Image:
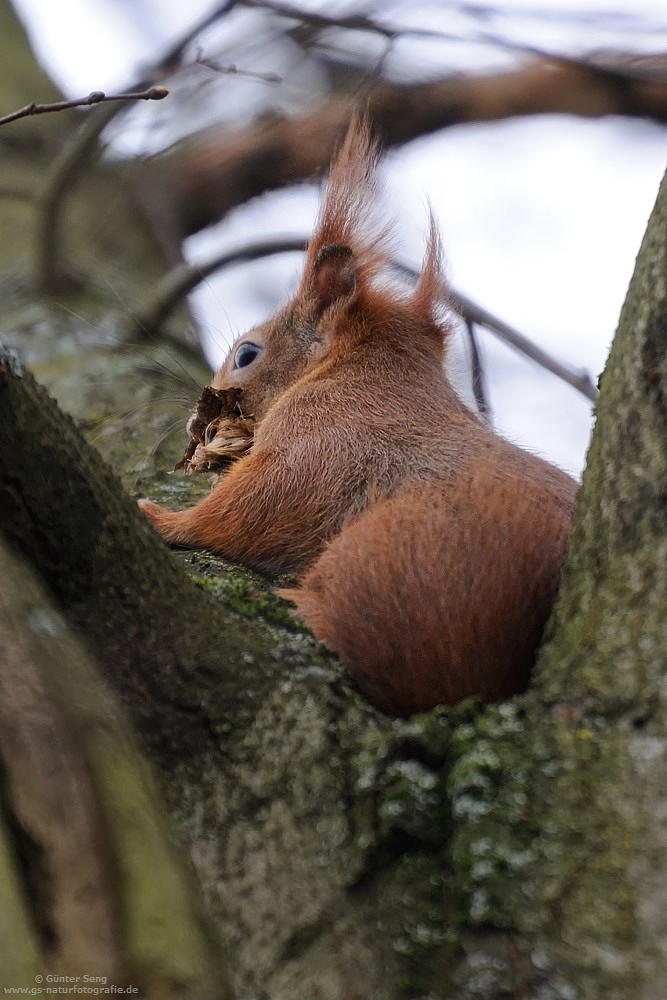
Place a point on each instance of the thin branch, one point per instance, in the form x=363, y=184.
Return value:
x=599, y=61
x=172, y=56
x=184, y=278
x=478, y=387
x=230, y=69
x=474, y=314
x=95, y=97
x=352, y=22
x=579, y=379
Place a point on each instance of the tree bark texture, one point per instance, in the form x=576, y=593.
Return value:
x=275, y=847
x=151, y=629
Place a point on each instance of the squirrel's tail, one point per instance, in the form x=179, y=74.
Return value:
x=440, y=593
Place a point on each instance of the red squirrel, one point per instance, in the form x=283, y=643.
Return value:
x=428, y=548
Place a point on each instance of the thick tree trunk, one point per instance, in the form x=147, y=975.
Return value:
x=186, y=667
x=254, y=731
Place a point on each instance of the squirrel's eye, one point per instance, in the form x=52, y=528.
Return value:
x=246, y=354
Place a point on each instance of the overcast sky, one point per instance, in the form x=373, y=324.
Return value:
x=541, y=218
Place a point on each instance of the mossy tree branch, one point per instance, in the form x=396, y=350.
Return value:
x=184, y=665
x=91, y=882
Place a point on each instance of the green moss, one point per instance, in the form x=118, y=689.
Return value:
x=419, y=885
x=492, y=825
x=241, y=592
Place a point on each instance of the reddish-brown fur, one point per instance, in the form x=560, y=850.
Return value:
x=429, y=548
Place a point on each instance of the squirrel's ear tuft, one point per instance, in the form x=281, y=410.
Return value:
x=334, y=275
x=350, y=243
x=429, y=287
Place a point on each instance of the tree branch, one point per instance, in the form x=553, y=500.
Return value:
x=95, y=97
x=579, y=379
x=96, y=870
x=179, y=658
x=209, y=173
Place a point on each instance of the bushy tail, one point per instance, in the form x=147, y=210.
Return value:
x=437, y=595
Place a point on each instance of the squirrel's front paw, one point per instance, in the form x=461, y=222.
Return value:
x=152, y=510
x=178, y=527
x=165, y=522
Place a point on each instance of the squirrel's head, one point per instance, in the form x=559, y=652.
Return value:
x=339, y=299
x=268, y=359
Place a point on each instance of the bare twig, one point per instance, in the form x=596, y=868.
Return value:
x=579, y=379
x=229, y=69
x=95, y=97
x=620, y=65
x=352, y=22
x=184, y=278
x=172, y=56
x=477, y=372
x=475, y=315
